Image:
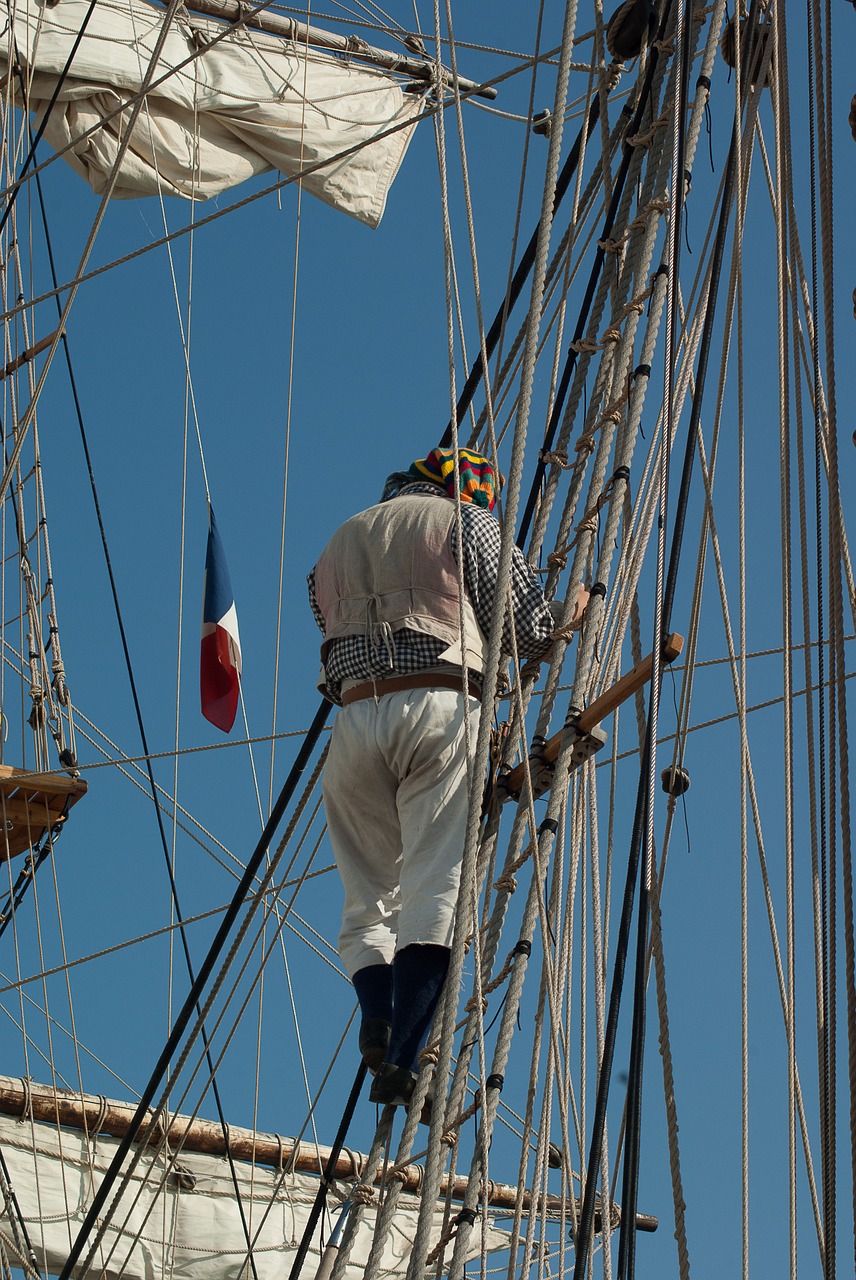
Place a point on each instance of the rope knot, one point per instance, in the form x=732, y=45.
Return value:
x=645, y=139
x=566, y=633
x=530, y=670
x=556, y=458
x=473, y=1003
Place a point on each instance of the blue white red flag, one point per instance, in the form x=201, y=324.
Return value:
x=220, y=666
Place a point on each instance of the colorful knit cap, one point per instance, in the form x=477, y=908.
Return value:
x=477, y=476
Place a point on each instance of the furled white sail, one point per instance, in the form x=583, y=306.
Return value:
x=185, y=1223
x=245, y=105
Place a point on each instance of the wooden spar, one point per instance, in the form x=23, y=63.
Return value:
x=598, y=710
x=277, y=24
x=103, y=1115
x=29, y=354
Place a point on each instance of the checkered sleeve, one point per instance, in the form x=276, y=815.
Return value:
x=529, y=614
x=313, y=601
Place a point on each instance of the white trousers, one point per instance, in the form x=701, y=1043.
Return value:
x=396, y=795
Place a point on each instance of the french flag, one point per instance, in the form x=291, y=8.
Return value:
x=220, y=666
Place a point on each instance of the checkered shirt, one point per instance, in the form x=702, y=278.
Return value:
x=352, y=658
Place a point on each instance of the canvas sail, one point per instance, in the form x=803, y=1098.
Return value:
x=184, y=1223
x=248, y=104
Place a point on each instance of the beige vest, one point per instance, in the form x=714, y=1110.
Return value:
x=392, y=567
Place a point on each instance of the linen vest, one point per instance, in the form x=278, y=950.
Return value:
x=391, y=567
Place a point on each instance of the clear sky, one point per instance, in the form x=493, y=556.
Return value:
x=318, y=357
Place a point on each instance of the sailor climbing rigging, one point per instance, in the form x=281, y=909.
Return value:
x=385, y=592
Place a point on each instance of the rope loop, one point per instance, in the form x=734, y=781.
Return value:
x=99, y=1120
x=645, y=139
x=363, y=1194
x=556, y=458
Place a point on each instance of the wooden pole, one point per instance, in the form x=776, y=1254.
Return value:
x=104, y=1115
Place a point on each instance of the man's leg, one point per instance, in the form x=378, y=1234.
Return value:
x=430, y=758
x=359, y=798
x=374, y=988
x=419, y=972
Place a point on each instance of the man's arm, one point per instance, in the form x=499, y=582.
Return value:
x=319, y=616
x=529, y=614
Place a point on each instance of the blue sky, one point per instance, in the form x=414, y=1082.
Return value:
x=369, y=391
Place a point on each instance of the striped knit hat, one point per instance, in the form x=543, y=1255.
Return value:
x=477, y=476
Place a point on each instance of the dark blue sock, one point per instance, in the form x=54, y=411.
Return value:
x=373, y=986
x=419, y=972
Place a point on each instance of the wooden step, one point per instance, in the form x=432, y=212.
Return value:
x=30, y=804
x=588, y=721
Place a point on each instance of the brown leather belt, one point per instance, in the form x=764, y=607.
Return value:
x=395, y=684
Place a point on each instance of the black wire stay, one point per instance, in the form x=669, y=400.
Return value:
x=41, y=850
